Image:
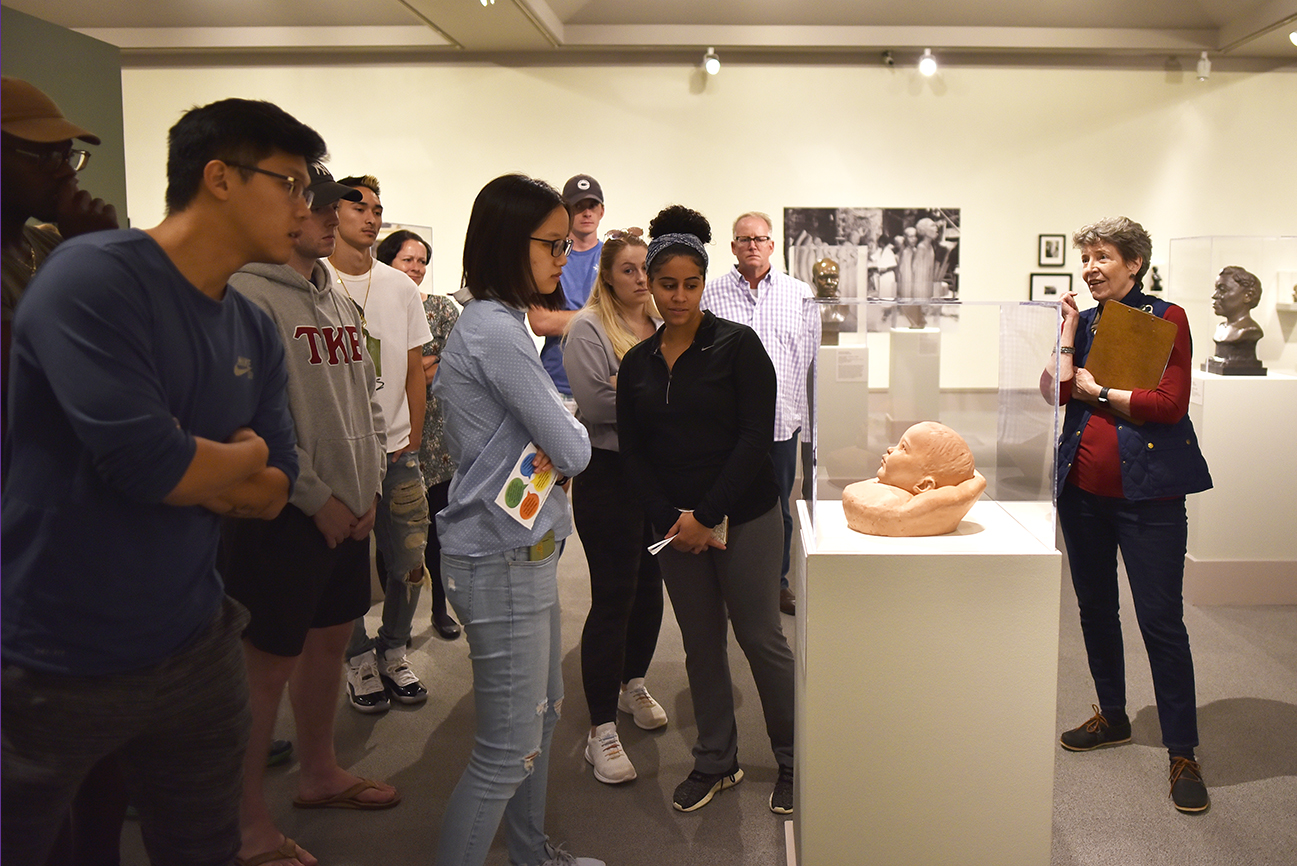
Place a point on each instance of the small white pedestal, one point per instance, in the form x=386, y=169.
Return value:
x=1242, y=542
x=904, y=646
x=915, y=378
x=842, y=416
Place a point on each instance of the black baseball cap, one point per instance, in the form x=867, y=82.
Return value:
x=326, y=190
x=580, y=188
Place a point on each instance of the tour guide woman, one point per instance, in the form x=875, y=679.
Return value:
x=1122, y=485
x=695, y=419
x=501, y=576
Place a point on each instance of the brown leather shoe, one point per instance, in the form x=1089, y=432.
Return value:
x=788, y=601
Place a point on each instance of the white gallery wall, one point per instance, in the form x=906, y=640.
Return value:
x=1020, y=152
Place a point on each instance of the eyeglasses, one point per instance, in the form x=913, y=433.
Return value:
x=52, y=159
x=754, y=240
x=558, y=248
x=295, y=187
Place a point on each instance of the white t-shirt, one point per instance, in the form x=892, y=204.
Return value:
x=392, y=315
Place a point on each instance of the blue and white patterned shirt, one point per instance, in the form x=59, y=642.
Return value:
x=786, y=318
x=496, y=397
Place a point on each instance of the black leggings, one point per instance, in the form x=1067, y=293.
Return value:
x=621, y=632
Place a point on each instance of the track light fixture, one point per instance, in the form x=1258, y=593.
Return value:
x=711, y=62
x=888, y=60
x=1204, y=67
x=927, y=63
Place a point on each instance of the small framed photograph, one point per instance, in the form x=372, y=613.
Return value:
x=1052, y=250
x=1050, y=287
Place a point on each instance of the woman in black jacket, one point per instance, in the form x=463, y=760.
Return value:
x=695, y=416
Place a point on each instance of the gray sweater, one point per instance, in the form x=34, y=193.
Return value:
x=330, y=385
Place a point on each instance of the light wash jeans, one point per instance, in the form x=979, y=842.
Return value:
x=400, y=531
x=509, y=608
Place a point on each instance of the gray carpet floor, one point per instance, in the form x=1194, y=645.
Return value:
x=1110, y=807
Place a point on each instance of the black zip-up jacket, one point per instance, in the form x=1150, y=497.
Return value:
x=698, y=436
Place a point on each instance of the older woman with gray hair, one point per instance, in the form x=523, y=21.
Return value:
x=1122, y=486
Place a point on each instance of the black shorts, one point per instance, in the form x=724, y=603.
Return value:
x=288, y=578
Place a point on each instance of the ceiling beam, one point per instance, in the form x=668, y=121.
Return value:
x=375, y=36
x=1107, y=40
x=1259, y=21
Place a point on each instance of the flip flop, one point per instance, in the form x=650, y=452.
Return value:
x=349, y=799
x=287, y=851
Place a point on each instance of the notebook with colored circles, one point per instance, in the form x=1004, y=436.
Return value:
x=526, y=488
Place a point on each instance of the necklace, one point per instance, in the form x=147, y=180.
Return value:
x=369, y=281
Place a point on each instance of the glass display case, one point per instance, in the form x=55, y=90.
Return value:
x=977, y=368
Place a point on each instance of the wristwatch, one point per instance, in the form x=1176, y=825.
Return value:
x=1103, y=395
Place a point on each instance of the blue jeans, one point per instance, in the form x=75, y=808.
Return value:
x=1151, y=535
x=400, y=531
x=510, y=612
x=783, y=454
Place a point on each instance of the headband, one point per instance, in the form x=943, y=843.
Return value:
x=661, y=242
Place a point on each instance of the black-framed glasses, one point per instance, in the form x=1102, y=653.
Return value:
x=295, y=187
x=52, y=159
x=754, y=240
x=558, y=248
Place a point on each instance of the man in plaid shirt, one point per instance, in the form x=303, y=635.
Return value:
x=782, y=311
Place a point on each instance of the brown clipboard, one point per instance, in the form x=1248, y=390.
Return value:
x=1130, y=349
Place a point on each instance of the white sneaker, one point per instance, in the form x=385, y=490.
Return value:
x=604, y=752
x=364, y=688
x=398, y=680
x=636, y=700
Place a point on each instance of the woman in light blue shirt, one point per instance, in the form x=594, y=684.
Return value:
x=501, y=575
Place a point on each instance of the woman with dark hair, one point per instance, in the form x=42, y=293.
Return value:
x=1121, y=486
x=501, y=574
x=406, y=251
x=695, y=420
x=621, y=631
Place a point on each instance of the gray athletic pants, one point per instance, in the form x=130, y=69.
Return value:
x=743, y=579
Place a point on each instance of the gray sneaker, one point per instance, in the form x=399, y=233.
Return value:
x=559, y=857
x=697, y=790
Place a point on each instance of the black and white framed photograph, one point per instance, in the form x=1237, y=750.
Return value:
x=1052, y=250
x=881, y=253
x=1050, y=287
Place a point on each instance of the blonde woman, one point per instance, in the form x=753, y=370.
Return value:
x=621, y=630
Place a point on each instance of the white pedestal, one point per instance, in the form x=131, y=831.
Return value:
x=1242, y=542
x=904, y=647
x=915, y=378
x=842, y=415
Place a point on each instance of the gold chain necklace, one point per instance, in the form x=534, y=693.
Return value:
x=369, y=281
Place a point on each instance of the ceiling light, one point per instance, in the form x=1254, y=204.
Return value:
x=488, y=2
x=1292, y=37
x=711, y=62
x=888, y=60
x=1204, y=67
x=927, y=63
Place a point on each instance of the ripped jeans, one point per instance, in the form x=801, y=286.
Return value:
x=400, y=531
x=509, y=608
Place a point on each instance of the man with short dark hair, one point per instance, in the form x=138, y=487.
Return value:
x=584, y=199
x=779, y=308
x=395, y=330
x=304, y=576
x=148, y=399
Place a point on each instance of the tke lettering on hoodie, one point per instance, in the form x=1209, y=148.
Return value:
x=341, y=344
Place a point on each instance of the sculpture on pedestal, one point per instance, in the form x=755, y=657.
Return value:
x=926, y=484
x=824, y=274
x=1237, y=294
